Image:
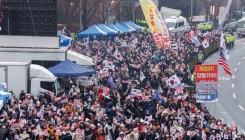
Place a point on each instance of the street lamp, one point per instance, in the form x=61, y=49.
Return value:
x=109, y=10
x=81, y=18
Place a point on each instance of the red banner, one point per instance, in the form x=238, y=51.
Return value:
x=206, y=73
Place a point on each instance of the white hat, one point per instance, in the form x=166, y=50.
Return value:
x=86, y=120
x=121, y=133
x=165, y=111
x=141, y=120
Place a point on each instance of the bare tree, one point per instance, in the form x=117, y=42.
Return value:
x=89, y=9
x=106, y=7
x=69, y=10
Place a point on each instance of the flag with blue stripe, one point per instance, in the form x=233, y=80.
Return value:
x=111, y=82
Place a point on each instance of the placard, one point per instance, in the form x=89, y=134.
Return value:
x=206, y=83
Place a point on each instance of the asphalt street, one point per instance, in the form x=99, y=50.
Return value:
x=231, y=104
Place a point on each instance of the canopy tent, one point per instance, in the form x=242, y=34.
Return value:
x=125, y=25
x=120, y=27
x=92, y=32
x=136, y=27
x=107, y=30
x=113, y=27
x=69, y=69
x=4, y=97
x=2, y=87
x=64, y=40
x=110, y=33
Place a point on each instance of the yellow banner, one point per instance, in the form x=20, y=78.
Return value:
x=156, y=24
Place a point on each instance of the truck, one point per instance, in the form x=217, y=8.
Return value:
x=43, y=51
x=31, y=78
x=169, y=12
x=47, y=58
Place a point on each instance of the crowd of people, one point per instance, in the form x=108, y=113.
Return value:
x=131, y=101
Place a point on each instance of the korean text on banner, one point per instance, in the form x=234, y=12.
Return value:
x=156, y=24
x=192, y=36
x=206, y=83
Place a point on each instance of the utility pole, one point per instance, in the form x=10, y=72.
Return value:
x=81, y=16
x=191, y=9
x=133, y=12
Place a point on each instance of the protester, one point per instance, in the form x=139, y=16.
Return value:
x=134, y=98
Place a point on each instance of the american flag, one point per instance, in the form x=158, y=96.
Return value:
x=223, y=62
x=179, y=87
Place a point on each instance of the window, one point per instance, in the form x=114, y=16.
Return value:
x=47, y=85
x=241, y=24
x=181, y=24
x=170, y=24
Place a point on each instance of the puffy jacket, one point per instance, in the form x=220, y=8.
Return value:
x=232, y=38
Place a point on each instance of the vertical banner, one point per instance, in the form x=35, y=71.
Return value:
x=156, y=24
x=221, y=10
x=206, y=83
x=223, y=15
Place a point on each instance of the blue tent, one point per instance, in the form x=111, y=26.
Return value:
x=64, y=40
x=107, y=30
x=110, y=33
x=136, y=27
x=69, y=69
x=125, y=25
x=113, y=27
x=4, y=96
x=91, y=32
x=2, y=87
x=120, y=27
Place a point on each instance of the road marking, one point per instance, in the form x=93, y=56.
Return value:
x=240, y=107
x=239, y=63
x=207, y=59
x=232, y=85
x=224, y=78
x=214, y=54
x=233, y=76
x=235, y=69
x=223, y=112
x=243, y=58
x=218, y=85
x=234, y=95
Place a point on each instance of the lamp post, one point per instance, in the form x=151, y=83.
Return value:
x=191, y=9
x=81, y=18
x=109, y=10
x=133, y=12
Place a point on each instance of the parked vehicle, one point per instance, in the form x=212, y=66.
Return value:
x=177, y=23
x=240, y=29
x=231, y=26
x=28, y=77
x=47, y=58
x=168, y=12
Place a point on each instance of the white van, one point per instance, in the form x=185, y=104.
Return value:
x=177, y=23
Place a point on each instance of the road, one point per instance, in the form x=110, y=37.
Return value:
x=231, y=104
